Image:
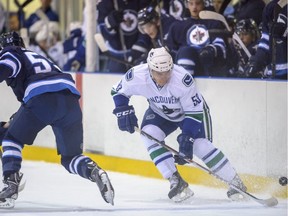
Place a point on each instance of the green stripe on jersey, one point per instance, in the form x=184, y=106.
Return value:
x=195, y=116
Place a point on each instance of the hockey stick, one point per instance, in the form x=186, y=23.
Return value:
x=224, y=5
x=216, y=16
x=265, y=202
x=105, y=51
x=121, y=34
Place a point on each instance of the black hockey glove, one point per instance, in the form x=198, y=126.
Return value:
x=208, y=54
x=114, y=19
x=185, y=148
x=254, y=69
x=127, y=119
x=179, y=160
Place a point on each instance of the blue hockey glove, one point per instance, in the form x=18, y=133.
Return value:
x=127, y=119
x=114, y=19
x=185, y=147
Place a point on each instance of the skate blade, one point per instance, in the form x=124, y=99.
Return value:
x=7, y=203
x=109, y=194
x=21, y=186
x=237, y=197
x=184, y=195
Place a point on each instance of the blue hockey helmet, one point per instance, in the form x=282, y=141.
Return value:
x=247, y=26
x=146, y=15
x=11, y=39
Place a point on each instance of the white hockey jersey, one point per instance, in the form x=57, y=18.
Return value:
x=176, y=100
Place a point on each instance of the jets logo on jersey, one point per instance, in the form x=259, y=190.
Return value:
x=177, y=9
x=130, y=23
x=197, y=36
x=187, y=80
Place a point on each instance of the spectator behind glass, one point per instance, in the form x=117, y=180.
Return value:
x=270, y=59
x=200, y=53
x=45, y=13
x=2, y=18
x=118, y=24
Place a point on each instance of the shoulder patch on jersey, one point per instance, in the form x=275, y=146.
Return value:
x=129, y=74
x=187, y=80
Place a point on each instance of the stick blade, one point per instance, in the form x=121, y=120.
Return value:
x=269, y=202
x=282, y=3
x=214, y=16
x=100, y=42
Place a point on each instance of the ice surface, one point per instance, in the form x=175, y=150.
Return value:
x=50, y=190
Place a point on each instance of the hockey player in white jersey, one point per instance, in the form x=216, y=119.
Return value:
x=174, y=101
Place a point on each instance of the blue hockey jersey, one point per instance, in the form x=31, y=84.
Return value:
x=30, y=74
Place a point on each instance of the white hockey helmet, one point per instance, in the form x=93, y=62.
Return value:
x=160, y=60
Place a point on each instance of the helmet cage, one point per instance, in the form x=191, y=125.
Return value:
x=159, y=60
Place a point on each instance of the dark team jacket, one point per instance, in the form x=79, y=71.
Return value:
x=130, y=30
x=193, y=32
x=30, y=74
x=266, y=47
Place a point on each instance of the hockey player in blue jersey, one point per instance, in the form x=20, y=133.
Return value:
x=272, y=47
x=48, y=97
x=249, y=34
x=155, y=25
x=174, y=102
x=196, y=50
x=117, y=22
x=44, y=12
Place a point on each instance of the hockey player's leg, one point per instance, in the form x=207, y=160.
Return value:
x=219, y=164
x=233, y=194
x=164, y=162
x=102, y=180
x=179, y=189
x=9, y=193
x=11, y=172
x=87, y=168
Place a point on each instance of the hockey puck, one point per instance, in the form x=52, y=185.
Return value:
x=283, y=181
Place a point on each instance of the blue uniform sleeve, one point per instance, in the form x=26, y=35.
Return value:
x=9, y=65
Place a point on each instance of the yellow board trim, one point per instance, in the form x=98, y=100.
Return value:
x=255, y=184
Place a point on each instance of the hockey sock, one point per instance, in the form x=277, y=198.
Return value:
x=80, y=164
x=11, y=157
x=215, y=160
x=161, y=157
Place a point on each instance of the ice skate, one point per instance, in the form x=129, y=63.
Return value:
x=179, y=190
x=9, y=193
x=233, y=194
x=101, y=178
